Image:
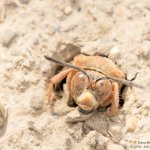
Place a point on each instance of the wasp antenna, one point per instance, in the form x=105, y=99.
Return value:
x=125, y=82
x=66, y=65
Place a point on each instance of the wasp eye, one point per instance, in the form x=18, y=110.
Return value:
x=85, y=112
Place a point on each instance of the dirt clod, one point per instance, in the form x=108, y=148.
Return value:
x=3, y=115
x=95, y=140
x=76, y=116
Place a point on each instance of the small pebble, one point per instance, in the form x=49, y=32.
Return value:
x=116, y=132
x=45, y=67
x=115, y=129
x=7, y=37
x=18, y=76
x=146, y=51
x=68, y=10
x=37, y=102
x=114, y=53
x=8, y=66
x=24, y=1
x=68, y=142
x=32, y=78
x=145, y=112
x=132, y=124
x=26, y=63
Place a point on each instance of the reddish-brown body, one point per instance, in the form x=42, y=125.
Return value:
x=89, y=95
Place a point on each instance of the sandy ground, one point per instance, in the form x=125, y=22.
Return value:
x=29, y=29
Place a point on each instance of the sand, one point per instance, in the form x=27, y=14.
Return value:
x=30, y=29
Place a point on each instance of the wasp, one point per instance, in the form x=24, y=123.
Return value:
x=92, y=81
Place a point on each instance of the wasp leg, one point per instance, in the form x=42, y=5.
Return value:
x=68, y=81
x=71, y=101
x=53, y=81
x=113, y=99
